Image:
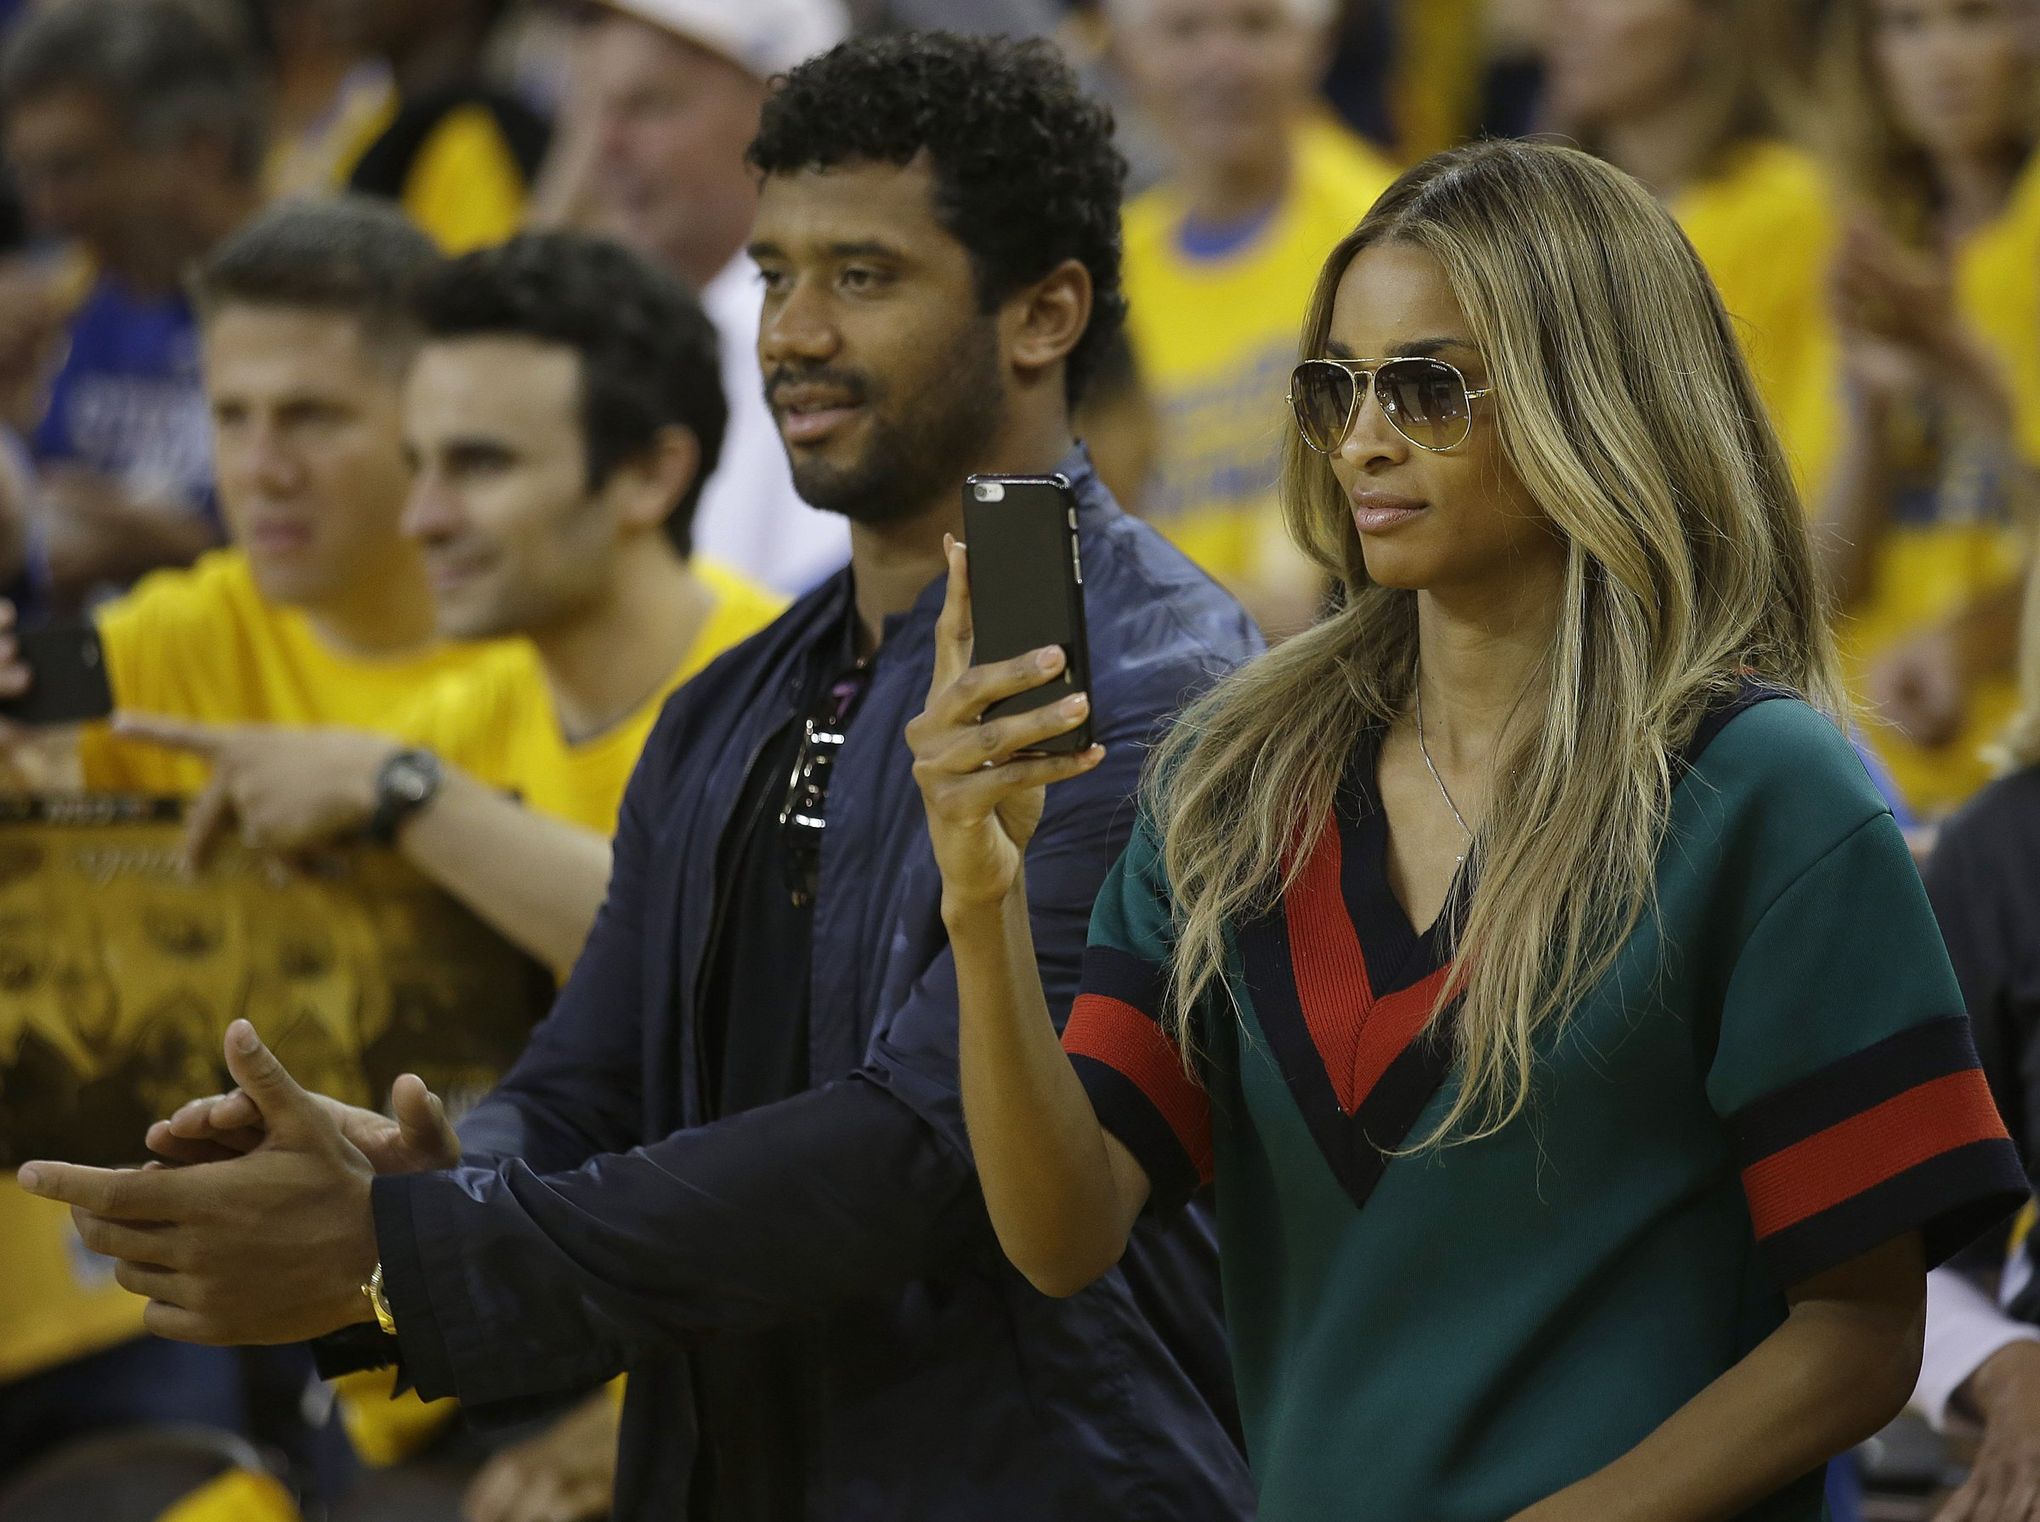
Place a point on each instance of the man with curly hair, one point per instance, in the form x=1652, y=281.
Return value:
x=733, y=1161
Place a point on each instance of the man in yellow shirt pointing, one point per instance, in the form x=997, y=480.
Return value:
x=320, y=613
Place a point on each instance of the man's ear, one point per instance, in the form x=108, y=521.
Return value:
x=1048, y=318
x=653, y=483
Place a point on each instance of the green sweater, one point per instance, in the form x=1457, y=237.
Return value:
x=1775, y=1077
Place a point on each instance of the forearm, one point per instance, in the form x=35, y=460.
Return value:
x=1059, y=1200
x=536, y=879
x=1832, y=1375
x=768, y=1216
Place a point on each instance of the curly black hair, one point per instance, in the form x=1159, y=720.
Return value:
x=649, y=355
x=1026, y=174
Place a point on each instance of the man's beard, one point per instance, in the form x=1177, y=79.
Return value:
x=919, y=444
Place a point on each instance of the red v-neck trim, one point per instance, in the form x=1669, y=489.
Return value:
x=1358, y=1036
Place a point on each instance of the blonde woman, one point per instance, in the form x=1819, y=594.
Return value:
x=1523, y=949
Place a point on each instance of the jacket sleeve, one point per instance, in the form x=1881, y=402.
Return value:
x=509, y=1281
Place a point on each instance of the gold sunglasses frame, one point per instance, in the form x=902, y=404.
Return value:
x=1365, y=373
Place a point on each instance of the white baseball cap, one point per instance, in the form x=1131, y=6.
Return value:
x=762, y=37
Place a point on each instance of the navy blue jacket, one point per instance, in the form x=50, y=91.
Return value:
x=601, y=1222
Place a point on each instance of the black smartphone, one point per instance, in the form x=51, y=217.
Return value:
x=1027, y=588
x=69, y=668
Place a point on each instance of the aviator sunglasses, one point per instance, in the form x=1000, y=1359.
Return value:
x=1427, y=401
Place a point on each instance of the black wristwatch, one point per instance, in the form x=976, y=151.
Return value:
x=407, y=782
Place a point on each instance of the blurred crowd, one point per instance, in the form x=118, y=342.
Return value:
x=220, y=221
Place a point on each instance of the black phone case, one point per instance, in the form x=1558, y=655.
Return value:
x=1027, y=587
x=70, y=684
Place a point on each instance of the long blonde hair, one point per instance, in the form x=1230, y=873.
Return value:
x=1628, y=411
x=1872, y=155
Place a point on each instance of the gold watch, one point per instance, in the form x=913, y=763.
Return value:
x=372, y=1292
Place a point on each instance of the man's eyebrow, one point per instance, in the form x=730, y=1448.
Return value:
x=863, y=248
x=852, y=248
x=478, y=445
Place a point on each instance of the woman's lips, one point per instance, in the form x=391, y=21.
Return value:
x=1375, y=514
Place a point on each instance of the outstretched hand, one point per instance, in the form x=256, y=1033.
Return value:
x=983, y=793
x=265, y=1247
x=286, y=788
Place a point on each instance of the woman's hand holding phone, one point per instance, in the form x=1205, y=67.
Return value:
x=981, y=787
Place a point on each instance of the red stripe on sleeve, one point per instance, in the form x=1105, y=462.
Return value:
x=1129, y=1042
x=1863, y=1151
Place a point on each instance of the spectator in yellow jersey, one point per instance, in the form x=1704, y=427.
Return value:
x=1673, y=92
x=1219, y=262
x=320, y=613
x=1937, y=294
x=562, y=417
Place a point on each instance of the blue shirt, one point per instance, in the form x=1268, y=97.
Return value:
x=127, y=400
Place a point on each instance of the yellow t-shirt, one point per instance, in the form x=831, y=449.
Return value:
x=1765, y=227
x=205, y=644
x=1217, y=337
x=499, y=725
x=197, y=644
x=1953, y=538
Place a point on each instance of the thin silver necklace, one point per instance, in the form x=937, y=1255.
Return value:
x=1430, y=766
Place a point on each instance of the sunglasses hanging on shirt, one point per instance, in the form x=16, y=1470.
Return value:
x=802, y=817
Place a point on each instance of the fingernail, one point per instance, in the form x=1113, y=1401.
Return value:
x=243, y=1036
x=1049, y=658
x=27, y=1177
x=1076, y=704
